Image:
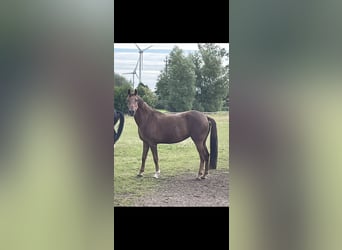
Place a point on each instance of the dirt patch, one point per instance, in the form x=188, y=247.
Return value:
x=186, y=190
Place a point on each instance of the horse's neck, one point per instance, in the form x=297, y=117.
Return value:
x=143, y=113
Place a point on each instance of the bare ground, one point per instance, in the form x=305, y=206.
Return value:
x=186, y=190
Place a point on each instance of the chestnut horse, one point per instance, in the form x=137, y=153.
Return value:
x=155, y=127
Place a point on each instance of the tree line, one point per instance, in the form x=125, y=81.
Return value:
x=198, y=81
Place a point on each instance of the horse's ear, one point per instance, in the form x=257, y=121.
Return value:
x=135, y=92
x=129, y=91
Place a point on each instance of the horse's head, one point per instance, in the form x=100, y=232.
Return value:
x=132, y=102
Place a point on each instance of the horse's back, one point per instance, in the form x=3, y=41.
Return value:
x=195, y=123
x=196, y=115
x=189, y=119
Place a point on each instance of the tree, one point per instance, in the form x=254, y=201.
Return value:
x=162, y=90
x=176, y=84
x=211, y=77
x=120, y=95
x=121, y=85
x=120, y=80
x=147, y=95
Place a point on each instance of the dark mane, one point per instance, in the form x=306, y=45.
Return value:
x=144, y=104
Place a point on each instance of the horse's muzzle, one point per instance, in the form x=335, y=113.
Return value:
x=131, y=112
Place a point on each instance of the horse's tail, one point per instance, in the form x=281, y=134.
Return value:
x=121, y=124
x=213, y=144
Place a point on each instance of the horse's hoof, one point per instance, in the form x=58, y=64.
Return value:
x=199, y=178
x=140, y=175
x=204, y=177
x=156, y=175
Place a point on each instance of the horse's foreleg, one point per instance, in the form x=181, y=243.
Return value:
x=143, y=159
x=155, y=159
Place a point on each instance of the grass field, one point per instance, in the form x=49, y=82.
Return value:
x=174, y=159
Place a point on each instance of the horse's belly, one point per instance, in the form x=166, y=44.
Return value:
x=173, y=140
x=166, y=137
x=173, y=135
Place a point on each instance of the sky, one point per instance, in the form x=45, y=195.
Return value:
x=126, y=56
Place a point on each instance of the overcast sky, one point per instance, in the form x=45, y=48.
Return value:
x=126, y=56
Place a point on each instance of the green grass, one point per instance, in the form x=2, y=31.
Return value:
x=174, y=159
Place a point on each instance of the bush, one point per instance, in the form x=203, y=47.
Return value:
x=120, y=95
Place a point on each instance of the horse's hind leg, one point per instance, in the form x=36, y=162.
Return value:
x=201, y=152
x=206, y=160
